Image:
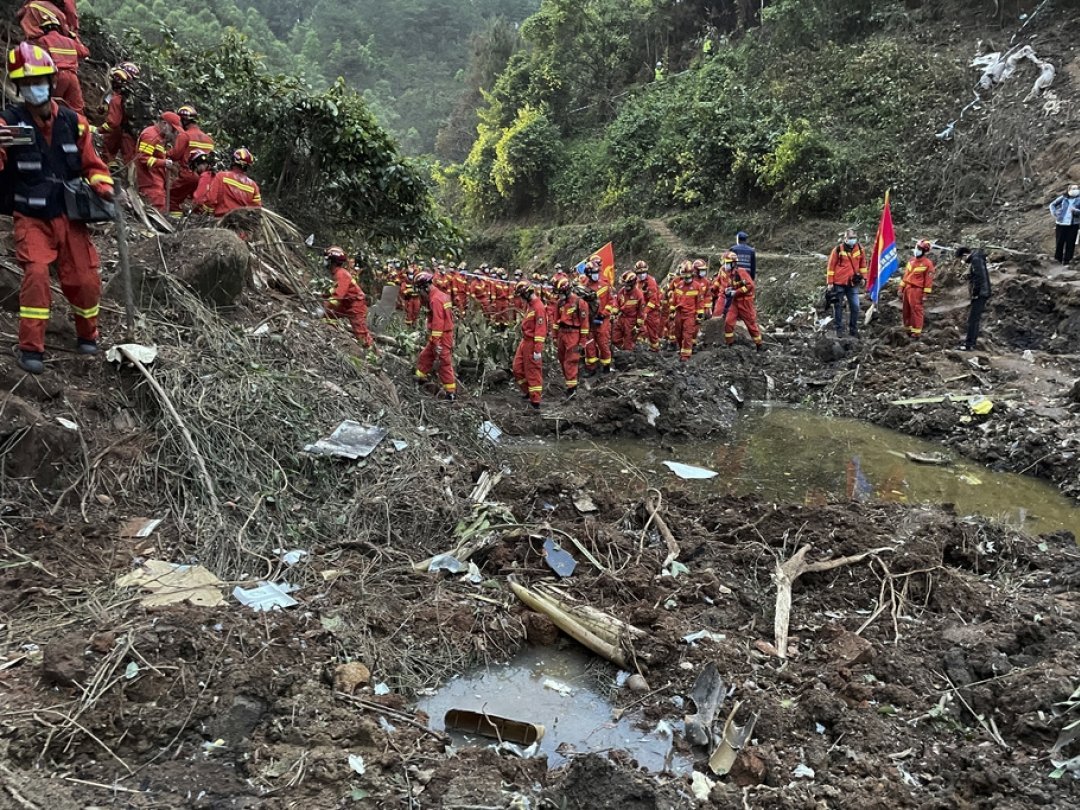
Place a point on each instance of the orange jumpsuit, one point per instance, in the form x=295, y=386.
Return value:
x=572, y=326
x=348, y=302
x=440, y=344
x=478, y=289
x=742, y=304
x=66, y=53
x=117, y=140
x=650, y=291
x=200, y=200
x=630, y=305
x=34, y=12
x=598, y=350
x=44, y=235
x=187, y=182
x=150, y=170
x=410, y=302
x=501, y=312
x=230, y=190
x=528, y=372
x=686, y=297
x=916, y=283
x=459, y=291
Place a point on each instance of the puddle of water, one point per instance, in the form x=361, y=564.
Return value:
x=577, y=721
x=785, y=454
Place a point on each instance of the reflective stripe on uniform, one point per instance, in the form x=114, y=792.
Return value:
x=237, y=184
x=34, y=313
x=89, y=312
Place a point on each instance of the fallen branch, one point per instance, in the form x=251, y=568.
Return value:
x=785, y=575
x=653, y=508
x=167, y=404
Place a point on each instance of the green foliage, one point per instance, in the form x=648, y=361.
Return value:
x=524, y=156
x=801, y=169
x=320, y=153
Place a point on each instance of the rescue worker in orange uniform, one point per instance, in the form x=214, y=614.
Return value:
x=189, y=139
x=686, y=296
x=459, y=289
x=501, y=292
x=598, y=350
x=232, y=188
x=478, y=289
x=66, y=53
x=650, y=293
x=572, y=329
x=199, y=163
x=346, y=300
x=917, y=282
x=410, y=295
x=735, y=301
x=843, y=275
x=62, y=151
x=34, y=13
x=701, y=272
x=152, y=161
x=630, y=306
x=117, y=133
x=439, y=348
x=528, y=368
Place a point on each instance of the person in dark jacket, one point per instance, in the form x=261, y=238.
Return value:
x=979, y=288
x=747, y=255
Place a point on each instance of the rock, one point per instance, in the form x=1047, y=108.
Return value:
x=828, y=349
x=749, y=769
x=845, y=649
x=34, y=446
x=350, y=677
x=212, y=262
x=1074, y=394
x=240, y=720
x=64, y=661
x=103, y=642
x=540, y=630
x=636, y=683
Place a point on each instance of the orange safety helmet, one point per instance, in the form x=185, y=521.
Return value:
x=686, y=269
x=334, y=253
x=199, y=154
x=243, y=156
x=731, y=257
x=924, y=245
x=188, y=111
x=522, y=287
x=423, y=279
x=699, y=265
x=49, y=20
x=28, y=61
x=130, y=68
x=640, y=266
x=595, y=259
x=562, y=286
x=629, y=278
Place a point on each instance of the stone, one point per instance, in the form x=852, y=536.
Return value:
x=636, y=683
x=828, y=349
x=64, y=661
x=845, y=649
x=242, y=718
x=350, y=677
x=103, y=642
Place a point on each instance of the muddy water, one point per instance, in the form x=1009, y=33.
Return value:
x=794, y=455
x=571, y=706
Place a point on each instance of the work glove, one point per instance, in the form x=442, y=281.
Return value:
x=858, y=281
x=830, y=287
x=438, y=350
x=729, y=292
x=536, y=357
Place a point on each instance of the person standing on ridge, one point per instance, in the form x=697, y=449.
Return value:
x=66, y=53
x=528, y=369
x=440, y=344
x=979, y=291
x=233, y=189
x=1066, y=212
x=117, y=133
x=61, y=149
x=346, y=300
x=916, y=284
x=747, y=255
x=843, y=276
x=152, y=162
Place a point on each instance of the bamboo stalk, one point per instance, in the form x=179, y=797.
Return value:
x=569, y=625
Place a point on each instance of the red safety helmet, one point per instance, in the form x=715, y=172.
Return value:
x=188, y=111
x=49, y=20
x=629, y=278
x=334, y=253
x=118, y=74
x=699, y=265
x=28, y=61
x=562, y=286
x=423, y=279
x=731, y=257
x=243, y=156
x=199, y=154
x=522, y=287
x=130, y=68
x=924, y=245
x=641, y=266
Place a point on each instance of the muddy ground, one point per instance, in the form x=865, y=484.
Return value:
x=933, y=673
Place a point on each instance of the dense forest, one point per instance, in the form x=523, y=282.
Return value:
x=409, y=60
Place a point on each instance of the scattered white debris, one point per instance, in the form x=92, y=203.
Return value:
x=356, y=762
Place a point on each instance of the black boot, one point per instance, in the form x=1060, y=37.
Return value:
x=87, y=346
x=32, y=362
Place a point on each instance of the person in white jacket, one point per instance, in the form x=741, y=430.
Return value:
x=1066, y=212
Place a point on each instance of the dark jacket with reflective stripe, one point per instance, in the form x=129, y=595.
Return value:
x=39, y=171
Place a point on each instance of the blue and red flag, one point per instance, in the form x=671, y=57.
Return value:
x=607, y=263
x=884, y=260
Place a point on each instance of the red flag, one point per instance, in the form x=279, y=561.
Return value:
x=884, y=260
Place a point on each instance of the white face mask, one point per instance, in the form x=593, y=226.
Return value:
x=917, y=253
x=35, y=94
x=1074, y=191
x=850, y=242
